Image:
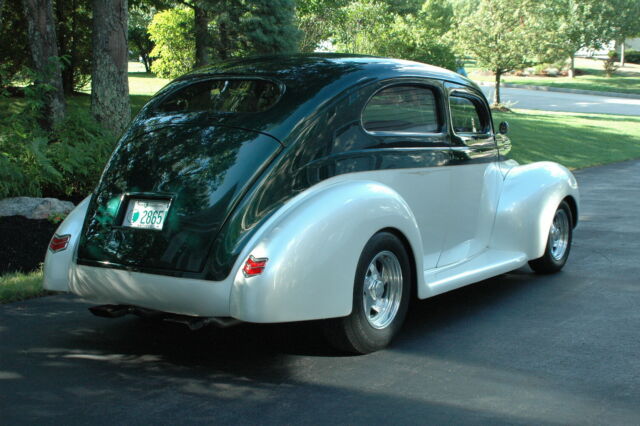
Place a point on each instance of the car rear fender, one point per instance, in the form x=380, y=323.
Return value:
x=57, y=264
x=313, y=245
x=530, y=197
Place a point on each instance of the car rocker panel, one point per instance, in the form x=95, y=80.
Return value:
x=265, y=182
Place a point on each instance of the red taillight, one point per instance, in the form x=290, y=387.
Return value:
x=254, y=266
x=59, y=242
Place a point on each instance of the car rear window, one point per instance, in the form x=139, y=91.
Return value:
x=402, y=109
x=224, y=96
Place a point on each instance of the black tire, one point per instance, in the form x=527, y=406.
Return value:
x=551, y=261
x=356, y=332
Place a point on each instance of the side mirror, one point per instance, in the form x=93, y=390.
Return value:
x=503, y=128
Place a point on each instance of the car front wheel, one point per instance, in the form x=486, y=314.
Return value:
x=382, y=288
x=558, y=242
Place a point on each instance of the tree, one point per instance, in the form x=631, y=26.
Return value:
x=501, y=35
x=315, y=19
x=408, y=38
x=140, y=43
x=43, y=45
x=13, y=57
x=234, y=30
x=252, y=27
x=406, y=7
x=225, y=39
x=74, y=42
x=420, y=38
x=172, y=33
x=200, y=28
x=109, y=79
x=567, y=26
x=1, y=10
x=623, y=17
x=359, y=24
x=268, y=27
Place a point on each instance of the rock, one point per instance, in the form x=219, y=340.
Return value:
x=553, y=72
x=34, y=208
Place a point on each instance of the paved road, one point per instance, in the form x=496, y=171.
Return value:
x=517, y=349
x=569, y=102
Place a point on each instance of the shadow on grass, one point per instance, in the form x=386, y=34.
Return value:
x=140, y=74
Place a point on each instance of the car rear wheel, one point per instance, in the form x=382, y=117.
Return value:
x=558, y=242
x=381, y=292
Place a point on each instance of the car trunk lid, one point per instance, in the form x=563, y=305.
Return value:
x=198, y=170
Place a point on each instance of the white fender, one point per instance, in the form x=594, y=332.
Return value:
x=313, y=245
x=530, y=197
x=57, y=266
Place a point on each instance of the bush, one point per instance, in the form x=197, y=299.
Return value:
x=610, y=64
x=175, y=45
x=632, y=56
x=64, y=162
x=78, y=151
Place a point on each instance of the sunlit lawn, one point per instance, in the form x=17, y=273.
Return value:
x=143, y=83
x=575, y=140
x=625, y=80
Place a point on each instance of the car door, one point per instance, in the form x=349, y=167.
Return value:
x=406, y=123
x=475, y=176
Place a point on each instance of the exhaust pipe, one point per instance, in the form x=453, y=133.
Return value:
x=194, y=323
x=111, y=311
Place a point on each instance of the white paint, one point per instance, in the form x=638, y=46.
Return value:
x=57, y=265
x=313, y=243
x=475, y=190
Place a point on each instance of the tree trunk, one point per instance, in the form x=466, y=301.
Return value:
x=44, y=52
x=622, y=54
x=201, y=24
x=223, y=35
x=496, y=93
x=146, y=61
x=109, y=79
x=63, y=39
x=572, y=66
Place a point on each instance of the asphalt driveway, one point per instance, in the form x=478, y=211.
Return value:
x=517, y=349
x=563, y=101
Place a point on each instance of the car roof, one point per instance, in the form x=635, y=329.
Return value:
x=310, y=81
x=299, y=69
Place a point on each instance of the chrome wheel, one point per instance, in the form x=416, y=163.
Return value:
x=559, y=234
x=382, y=289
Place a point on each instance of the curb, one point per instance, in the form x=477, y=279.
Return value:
x=560, y=89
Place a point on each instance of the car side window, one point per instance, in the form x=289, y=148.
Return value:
x=467, y=116
x=402, y=109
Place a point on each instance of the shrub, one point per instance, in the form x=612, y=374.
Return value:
x=64, y=162
x=78, y=151
x=632, y=56
x=610, y=64
x=175, y=46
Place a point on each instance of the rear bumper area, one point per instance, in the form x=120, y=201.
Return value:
x=158, y=292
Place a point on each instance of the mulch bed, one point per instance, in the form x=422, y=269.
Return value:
x=23, y=243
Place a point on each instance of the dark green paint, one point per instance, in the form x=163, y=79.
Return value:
x=204, y=171
x=312, y=133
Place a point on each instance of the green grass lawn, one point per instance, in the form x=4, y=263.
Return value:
x=144, y=83
x=18, y=286
x=575, y=140
x=625, y=80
